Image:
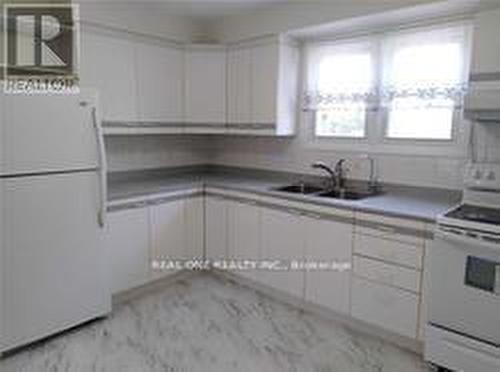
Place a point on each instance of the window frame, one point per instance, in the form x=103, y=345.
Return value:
x=376, y=139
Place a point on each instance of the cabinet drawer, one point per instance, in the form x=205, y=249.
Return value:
x=407, y=231
x=390, y=308
x=389, y=251
x=383, y=273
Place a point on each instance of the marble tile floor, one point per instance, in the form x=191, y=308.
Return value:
x=206, y=323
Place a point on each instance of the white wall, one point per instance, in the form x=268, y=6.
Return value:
x=141, y=18
x=299, y=14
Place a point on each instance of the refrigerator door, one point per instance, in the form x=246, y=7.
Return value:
x=53, y=272
x=47, y=133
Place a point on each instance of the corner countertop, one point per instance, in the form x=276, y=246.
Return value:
x=418, y=203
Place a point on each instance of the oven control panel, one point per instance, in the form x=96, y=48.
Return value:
x=482, y=176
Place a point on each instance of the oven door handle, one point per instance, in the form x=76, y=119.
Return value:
x=463, y=239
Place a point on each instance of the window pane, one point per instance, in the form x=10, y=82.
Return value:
x=424, y=66
x=349, y=123
x=414, y=122
x=342, y=74
x=345, y=73
x=427, y=64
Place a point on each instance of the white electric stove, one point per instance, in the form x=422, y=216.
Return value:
x=463, y=279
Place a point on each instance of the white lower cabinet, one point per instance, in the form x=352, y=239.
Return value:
x=328, y=241
x=389, y=308
x=127, y=248
x=194, y=228
x=244, y=236
x=139, y=238
x=215, y=228
x=282, y=242
x=383, y=288
x=167, y=233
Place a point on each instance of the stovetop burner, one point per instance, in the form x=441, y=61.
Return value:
x=476, y=214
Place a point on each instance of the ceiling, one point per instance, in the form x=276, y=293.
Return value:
x=198, y=8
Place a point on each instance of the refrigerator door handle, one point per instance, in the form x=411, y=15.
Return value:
x=101, y=154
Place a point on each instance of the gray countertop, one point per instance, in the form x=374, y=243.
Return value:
x=401, y=201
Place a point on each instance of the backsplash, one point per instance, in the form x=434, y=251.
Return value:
x=144, y=152
x=291, y=155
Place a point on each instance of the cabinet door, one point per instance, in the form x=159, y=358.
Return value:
x=244, y=234
x=282, y=240
x=108, y=65
x=167, y=226
x=160, y=82
x=127, y=247
x=386, y=307
x=239, y=86
x=486, y=55
x=328, y=241
x=265, y=72
x=194, y=228
x=205, y=89
x=215, y=228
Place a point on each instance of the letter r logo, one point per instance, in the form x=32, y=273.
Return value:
x=39, y=40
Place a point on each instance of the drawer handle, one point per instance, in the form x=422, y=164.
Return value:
x=386, y=229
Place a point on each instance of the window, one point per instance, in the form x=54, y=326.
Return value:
x=421, y=67
x=413, y=82
x=343, y=72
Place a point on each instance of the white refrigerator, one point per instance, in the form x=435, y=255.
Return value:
x=52, y=212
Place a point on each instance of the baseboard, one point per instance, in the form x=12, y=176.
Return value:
x=150, y=287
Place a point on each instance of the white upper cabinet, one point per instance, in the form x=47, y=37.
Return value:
x=108, y=65
x=265, y=78
x=160, y=80
x=239, y=85
x=263, y=87
x=486, y=45
x=205, y=89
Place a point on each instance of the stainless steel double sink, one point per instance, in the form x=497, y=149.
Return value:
x=348, y=193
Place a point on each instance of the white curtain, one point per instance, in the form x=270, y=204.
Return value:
x=425, y=68
x=340, y=76
x=419, y=68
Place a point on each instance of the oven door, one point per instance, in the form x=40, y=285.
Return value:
x=463, y=286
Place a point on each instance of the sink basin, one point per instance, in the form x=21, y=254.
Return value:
x=314, y=190
x=300, y=189
x=347, y=195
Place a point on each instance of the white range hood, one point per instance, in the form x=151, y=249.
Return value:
x=482, y=103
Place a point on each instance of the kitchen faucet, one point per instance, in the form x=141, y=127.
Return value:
x=337, y=175
x=333, y=177
x=340, y=173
